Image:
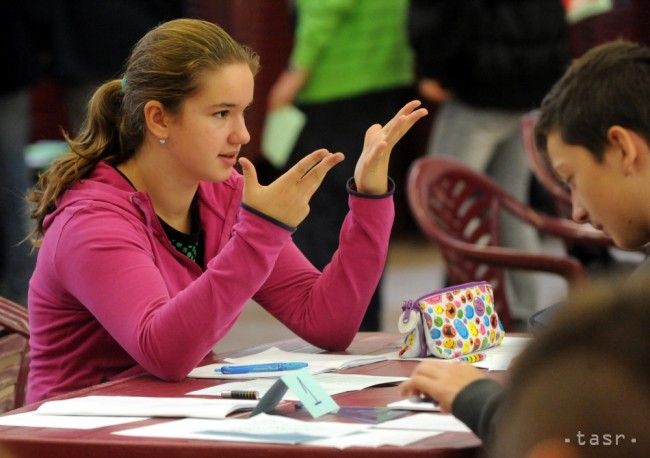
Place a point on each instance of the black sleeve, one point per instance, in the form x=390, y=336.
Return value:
x=476, y=406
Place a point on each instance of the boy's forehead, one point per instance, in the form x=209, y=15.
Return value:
x=556, y=148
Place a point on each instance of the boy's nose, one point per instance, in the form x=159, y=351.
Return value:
x=578, y=211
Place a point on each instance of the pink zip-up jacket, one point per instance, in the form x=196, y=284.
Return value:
x=110, y=294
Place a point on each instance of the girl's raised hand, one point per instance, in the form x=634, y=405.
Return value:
x=287, y=198
x=371, y=171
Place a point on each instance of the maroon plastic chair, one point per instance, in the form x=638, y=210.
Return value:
x=541, y=167
x=459, y=208
x=14, y=354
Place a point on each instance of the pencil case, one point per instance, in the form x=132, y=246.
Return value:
x=450, y=322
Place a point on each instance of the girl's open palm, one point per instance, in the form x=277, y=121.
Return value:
x=371, y=171
x=287, y=198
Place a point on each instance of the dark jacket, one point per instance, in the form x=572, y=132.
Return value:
x=491, y=53
x=75, y=40
x=91, y=39
x=19, y=52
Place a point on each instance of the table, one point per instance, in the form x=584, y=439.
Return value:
x=100, y=443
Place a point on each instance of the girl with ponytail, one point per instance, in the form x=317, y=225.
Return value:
x=151, y=243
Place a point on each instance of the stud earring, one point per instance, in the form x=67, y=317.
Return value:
x=162, y=141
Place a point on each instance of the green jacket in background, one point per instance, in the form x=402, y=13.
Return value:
x=351, y=47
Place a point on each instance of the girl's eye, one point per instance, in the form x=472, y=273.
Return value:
x=221, y=114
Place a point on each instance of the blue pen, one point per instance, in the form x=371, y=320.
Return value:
x=265, y=367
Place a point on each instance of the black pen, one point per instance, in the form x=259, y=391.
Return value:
x=240, y=394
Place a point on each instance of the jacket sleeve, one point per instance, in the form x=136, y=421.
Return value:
x=115, y=277
x=477, y=406
x=326, y=308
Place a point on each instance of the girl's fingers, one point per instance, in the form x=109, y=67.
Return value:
x=304, y=165
x=405, y=110
x=403, y=124
x=315, y=176
x=248, y=171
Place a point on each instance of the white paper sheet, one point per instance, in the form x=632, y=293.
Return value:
x=500, y=357
x=318, y=363
x=411, y=404
x=425, y=422
x=32, y=419
x=332, y=384
x=282, y=127
x=496, y=358
x=260, y=428
x=375, y=438
x=145, y=406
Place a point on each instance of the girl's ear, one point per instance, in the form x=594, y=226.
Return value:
x=156, y=119
x=626, y=144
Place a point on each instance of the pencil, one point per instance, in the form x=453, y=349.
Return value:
x=475, y=358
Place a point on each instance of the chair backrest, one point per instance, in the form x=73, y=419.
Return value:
x=14, y=354
x=460, y=209
x=541, y=167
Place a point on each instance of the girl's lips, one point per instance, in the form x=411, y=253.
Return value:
x=230, y=159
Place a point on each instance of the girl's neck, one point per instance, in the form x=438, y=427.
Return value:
x=170, y=194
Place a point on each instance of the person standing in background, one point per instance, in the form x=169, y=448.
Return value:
x=21, y=70
x=487, y=62
x=350, y=66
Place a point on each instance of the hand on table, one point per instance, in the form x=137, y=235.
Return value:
x=371, y=171
x=441, y=381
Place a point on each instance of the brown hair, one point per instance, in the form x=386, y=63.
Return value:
x=164, y=65
x=609, y=85
x=587, y=373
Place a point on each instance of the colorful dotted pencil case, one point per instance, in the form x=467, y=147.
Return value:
x=450, y=322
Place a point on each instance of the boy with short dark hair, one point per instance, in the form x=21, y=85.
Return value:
x=595, y=126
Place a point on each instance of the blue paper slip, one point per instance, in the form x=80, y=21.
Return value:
x=265, y=367
x=312, y=396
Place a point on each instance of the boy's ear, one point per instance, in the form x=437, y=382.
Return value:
x=156, y=118
x=627, y=144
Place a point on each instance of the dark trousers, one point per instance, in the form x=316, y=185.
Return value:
x=339, y=126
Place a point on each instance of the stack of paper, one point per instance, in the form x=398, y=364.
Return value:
x=125, y=406
x=35, y=420
x=260, y=428
x=283, y=430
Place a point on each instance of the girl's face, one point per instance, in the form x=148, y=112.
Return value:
x=601, y=194
x=207, y=134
